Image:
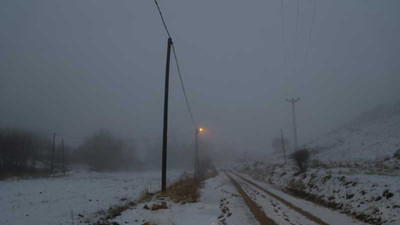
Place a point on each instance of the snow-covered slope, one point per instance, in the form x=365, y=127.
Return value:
x=374, y=199
x=372, y=135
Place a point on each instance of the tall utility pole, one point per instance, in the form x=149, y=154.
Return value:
x=283, y=146
x=293, y=101
x=52, y=153
x=63, y=156
x=196, y=153
x=165, y=126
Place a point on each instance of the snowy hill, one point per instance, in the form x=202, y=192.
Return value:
x=374, y=134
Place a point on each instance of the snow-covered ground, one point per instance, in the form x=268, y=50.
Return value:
x=219, y=204
x=373, y=198
x=283, y=214
x=71, y=199
x=373, y=135
x=352, y=169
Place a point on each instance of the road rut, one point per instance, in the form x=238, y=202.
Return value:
x=288, y=204
x=260, y=215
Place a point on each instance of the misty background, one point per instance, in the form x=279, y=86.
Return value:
x=75, y=67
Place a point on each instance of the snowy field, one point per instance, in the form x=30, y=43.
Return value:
x=71, y=199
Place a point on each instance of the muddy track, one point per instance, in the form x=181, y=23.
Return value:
x=288, y=204
x=254, y=208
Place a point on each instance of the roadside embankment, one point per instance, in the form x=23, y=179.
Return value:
x=374, y=199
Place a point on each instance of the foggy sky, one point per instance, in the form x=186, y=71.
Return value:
x=77, y=66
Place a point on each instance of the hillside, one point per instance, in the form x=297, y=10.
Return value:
x=374, y=134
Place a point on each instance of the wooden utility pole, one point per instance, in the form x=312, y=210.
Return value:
x=63, y=156
x=52, y=153
x=283, y=146
x=196, y=153
x=293, y=101
x=165, y=126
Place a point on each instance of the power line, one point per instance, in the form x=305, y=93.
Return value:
x=283, y=31
x=311, y=31
x=297, y=21
x=177, y=65
x=296, y=37
x=284, y=48
x=162, y=18
x=183, y=86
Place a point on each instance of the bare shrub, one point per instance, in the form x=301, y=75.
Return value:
x=20, y=153
x=301, y=158
x=397, y=154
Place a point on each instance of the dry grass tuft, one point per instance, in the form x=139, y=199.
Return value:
x=116, y=210
x=186, y=189
x=146, y=196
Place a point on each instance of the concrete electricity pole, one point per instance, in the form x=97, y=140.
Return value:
x=293, y=101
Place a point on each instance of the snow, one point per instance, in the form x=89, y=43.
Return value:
x=281, y=211
x=357, y=194
x=347, y=173
x=76, y=197
x=352, y=169
x=372, y=135
x=219, y=204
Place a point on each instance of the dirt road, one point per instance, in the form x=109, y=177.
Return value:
x=268, y=208
x=260, y=215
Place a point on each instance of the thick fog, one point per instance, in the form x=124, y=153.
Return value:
x=75, y=67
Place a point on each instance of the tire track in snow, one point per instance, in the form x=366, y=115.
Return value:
x=288, y=204
x=279, y=212
x=255, y=210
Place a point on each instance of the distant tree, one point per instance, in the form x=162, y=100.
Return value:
x=103, y=152
x=301, y=158
x=20, y=150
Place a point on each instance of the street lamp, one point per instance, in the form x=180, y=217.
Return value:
x=196, y=151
